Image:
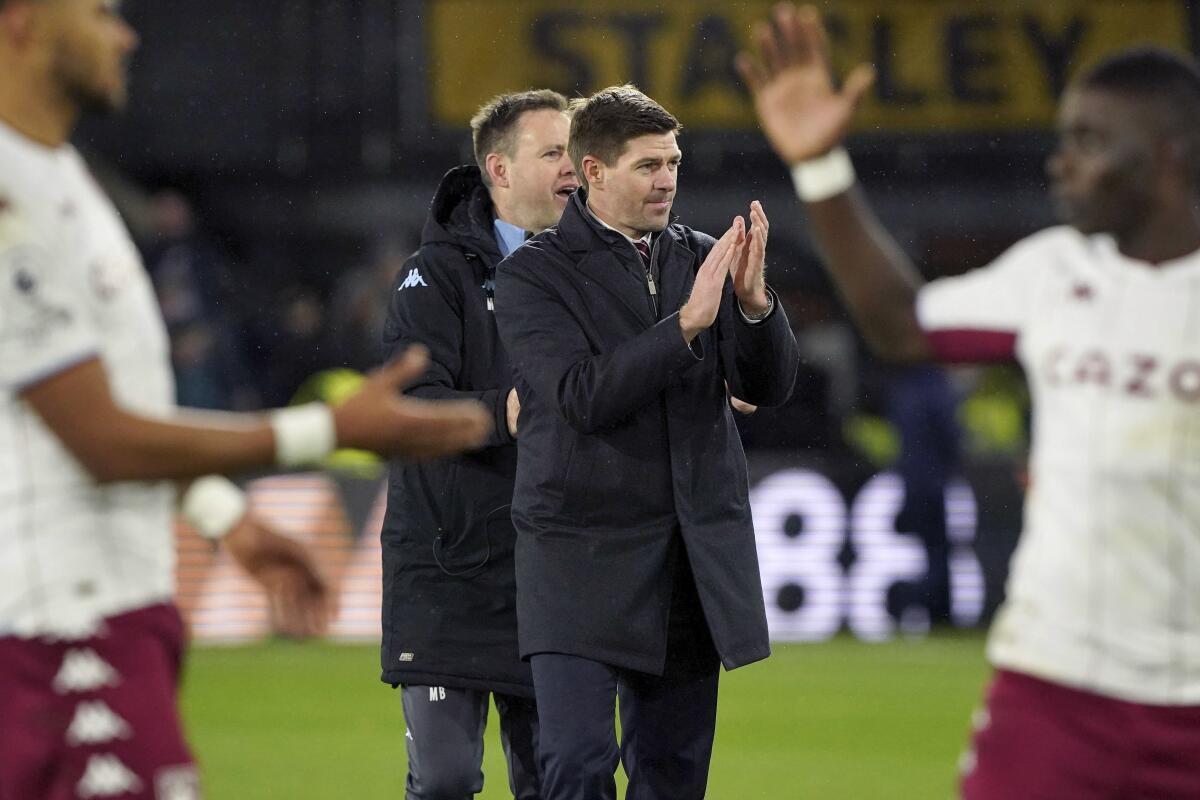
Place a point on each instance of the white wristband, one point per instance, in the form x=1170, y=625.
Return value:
x=303, y=434
x=824, y=177
x=212, y=505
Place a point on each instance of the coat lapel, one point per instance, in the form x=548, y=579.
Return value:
x=604, y=269
x=601, y=263
x=677, y=272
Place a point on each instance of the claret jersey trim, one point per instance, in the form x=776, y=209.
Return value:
x=960, y=345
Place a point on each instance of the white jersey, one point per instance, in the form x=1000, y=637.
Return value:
x=1104, y=591
x=72, y=287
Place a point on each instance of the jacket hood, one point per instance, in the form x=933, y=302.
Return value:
x=461, y=213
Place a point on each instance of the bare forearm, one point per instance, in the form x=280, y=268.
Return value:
x=875, y=278
x=141, y=448
x=115, y=444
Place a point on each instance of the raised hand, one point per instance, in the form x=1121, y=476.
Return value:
x=705, y=300
x=301, y=603
x=748, y=271
x=378, y=417
x=800, y=111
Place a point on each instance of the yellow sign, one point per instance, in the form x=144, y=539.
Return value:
x=942, y=64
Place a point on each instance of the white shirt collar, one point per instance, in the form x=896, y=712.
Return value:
x=647, y=238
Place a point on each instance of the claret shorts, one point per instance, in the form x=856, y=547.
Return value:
x=98, y=717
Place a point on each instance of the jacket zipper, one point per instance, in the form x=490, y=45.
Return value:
x=650, y=284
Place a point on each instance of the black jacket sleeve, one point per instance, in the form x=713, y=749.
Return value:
x=766, y=357
x=432, y=315
x=550, y=350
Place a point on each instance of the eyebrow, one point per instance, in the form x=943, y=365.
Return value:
x=657, y=160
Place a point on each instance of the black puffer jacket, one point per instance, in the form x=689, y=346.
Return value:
x=449, y=616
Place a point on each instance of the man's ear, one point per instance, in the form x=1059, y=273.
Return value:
x=594, y=171
x=497, y=169
x=1179, y=157
x=16, y=21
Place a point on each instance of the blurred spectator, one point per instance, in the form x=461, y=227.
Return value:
x=359, y=307
x=922, y=405
x=193, y=281
x=296, y=344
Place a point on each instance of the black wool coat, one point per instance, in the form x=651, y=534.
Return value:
x=627, y=440
x=449, y=615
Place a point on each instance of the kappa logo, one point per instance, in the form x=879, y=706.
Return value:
x=106, y=776
x=412, y=279
x=177, y=783
x=84, y=671
x=96, y=723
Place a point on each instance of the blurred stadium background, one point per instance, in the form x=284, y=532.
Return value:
x=275, y=166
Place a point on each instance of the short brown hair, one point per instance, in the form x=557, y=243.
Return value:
x=494, y=125
x=601, y=125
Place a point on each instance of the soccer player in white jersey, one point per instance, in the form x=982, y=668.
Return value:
x=89, y=641
x=1096, y=692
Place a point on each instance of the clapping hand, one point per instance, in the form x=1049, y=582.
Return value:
x=702, y=305
x=748, y=271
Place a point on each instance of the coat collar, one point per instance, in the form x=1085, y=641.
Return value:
x=580, y=230
x=608, y=258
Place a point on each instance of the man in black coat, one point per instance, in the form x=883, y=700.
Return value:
x=637, y=573
x=449, y=618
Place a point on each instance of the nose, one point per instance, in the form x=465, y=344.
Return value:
x=129, y=38
x=567, y=169
x=665, y=180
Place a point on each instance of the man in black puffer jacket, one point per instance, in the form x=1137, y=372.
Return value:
x=449, y=617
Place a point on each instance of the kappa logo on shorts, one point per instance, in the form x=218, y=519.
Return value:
x=96, y=723
x=84, y=671
x=967, y=762
x=106, y=776
x=177, y=783
x=413, y=279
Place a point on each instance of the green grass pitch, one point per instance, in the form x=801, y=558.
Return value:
x=842, y=720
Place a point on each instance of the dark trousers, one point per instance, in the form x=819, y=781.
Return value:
x=667, y=721
x=444, y=739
